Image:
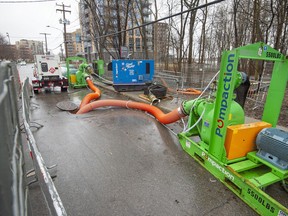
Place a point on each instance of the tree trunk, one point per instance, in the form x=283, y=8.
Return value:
x=203, y=36
x=194, y=3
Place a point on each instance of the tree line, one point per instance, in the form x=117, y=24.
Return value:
x=6, y=50
x=198, y=36
x=227, y=25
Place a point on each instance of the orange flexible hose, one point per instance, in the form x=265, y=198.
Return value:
x=188, y=91
x=91, y=96
x=168, y=118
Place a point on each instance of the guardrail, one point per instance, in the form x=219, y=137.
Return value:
x=48, y=188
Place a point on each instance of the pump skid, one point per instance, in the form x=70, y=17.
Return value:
x=219, y=123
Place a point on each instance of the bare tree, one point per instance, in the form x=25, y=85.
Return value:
x=167, y=59
x=103, y=18
x=192, y=4
x=230, y=24
x=281, y=13
x=3, y=39
x=6, y=50
x=178, y=35
x=235, y=23
x=203, y=35
x=142, y=10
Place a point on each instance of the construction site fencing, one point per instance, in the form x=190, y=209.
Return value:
x=259, y=87
x=191, y=76
x=198, y=76
x=257, y=93
x=48, y=188
x=13, y=188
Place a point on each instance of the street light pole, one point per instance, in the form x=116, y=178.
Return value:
x=46, y=42
x=7, y=34
x=62, y=55
x=10, y=54
x=48, y=26
x=61, y=49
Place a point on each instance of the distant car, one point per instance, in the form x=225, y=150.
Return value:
x=72, y=69
x=23, y=63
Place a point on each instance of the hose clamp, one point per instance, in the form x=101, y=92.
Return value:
x=181, y=111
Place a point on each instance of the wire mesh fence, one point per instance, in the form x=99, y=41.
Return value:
x=13, y=190
x=13, y=180
x=181, y=84
x=42, y=175
x=197, y=76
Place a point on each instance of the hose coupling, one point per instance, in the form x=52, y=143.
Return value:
x=87, y=77
x=181, y=111
x=182, y=107
x=154, y=100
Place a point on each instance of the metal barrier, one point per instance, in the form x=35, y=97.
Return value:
x=13, y=189
x=51, y=195
x=257, y=93
x=13, y=186
x=198, y=76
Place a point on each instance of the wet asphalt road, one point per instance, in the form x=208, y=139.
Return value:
x=115, y=161
x=123, y=162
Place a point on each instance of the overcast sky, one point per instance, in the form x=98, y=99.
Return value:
x=28, y=20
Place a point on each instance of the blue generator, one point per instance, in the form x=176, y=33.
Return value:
x=132, y=75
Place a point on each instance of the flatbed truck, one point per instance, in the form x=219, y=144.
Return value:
x=47, y=73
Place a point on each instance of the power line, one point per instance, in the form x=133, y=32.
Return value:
x=74, y=20
x=164, y=18
x=72, y=28
x=31, y=37
x=32, y=1
x=57, y=46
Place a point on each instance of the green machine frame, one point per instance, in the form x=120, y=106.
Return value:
x=68, y=60
x=248, y=176
x=100, y=66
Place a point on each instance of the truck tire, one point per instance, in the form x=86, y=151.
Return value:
x=47, y=90
x=63, y=89
x=36, y=91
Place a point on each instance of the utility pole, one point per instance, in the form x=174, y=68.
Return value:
x=46, y=47
x=64, y=23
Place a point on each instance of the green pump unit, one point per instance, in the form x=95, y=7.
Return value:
x=204, y=109
x=214, y=121
x=78, y=80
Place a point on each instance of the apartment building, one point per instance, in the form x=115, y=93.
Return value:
x=109, y=17
x=160, y=41
x=28, y=48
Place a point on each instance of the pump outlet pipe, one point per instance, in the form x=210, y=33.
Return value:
x=168, y=118
x=91, y=96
